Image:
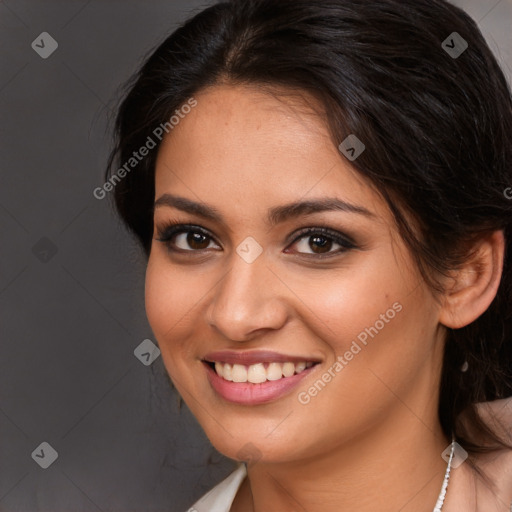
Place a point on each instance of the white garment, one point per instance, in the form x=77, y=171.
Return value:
x=220, y=498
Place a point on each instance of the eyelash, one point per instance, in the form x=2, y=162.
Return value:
x=169, y=230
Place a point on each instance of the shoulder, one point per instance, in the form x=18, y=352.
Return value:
x=220, y=498
x=497, y=465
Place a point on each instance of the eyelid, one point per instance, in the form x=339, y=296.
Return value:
x=171, y=229
x=335, y=235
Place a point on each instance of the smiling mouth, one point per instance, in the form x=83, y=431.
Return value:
x=259, y=372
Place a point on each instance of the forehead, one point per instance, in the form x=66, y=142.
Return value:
x=248, y=145
x=242, y=122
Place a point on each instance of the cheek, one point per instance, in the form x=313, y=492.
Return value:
x=341, y=305
x=171, y=299
x=375, y=317
x=381, y=338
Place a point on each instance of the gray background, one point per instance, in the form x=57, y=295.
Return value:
x=72, y=280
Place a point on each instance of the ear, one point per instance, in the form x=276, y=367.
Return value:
x=475, y=284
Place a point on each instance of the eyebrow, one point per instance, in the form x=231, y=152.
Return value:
x=275, y=215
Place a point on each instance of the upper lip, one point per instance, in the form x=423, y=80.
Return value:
x=254, y=357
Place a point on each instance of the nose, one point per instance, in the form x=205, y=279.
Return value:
x=248, y=300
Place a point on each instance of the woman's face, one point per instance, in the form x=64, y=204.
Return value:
x=255, y=283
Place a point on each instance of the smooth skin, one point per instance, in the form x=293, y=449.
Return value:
x=370, y=439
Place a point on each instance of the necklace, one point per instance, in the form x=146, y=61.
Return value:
x=442, y=494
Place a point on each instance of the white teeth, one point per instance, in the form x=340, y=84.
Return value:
x=300, y=366
x=274, y=371
x=239, y=373
x=257, y=373
x=288, y=369
x=227, y=371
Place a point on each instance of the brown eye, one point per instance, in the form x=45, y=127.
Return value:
x=190, y=241
x=185, y=238
x=321, y=242
x=197, y=240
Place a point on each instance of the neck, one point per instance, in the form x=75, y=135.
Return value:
x=388, y=469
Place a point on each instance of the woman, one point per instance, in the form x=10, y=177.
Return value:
x=319, y=187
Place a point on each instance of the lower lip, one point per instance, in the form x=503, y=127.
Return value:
x=246, y=393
